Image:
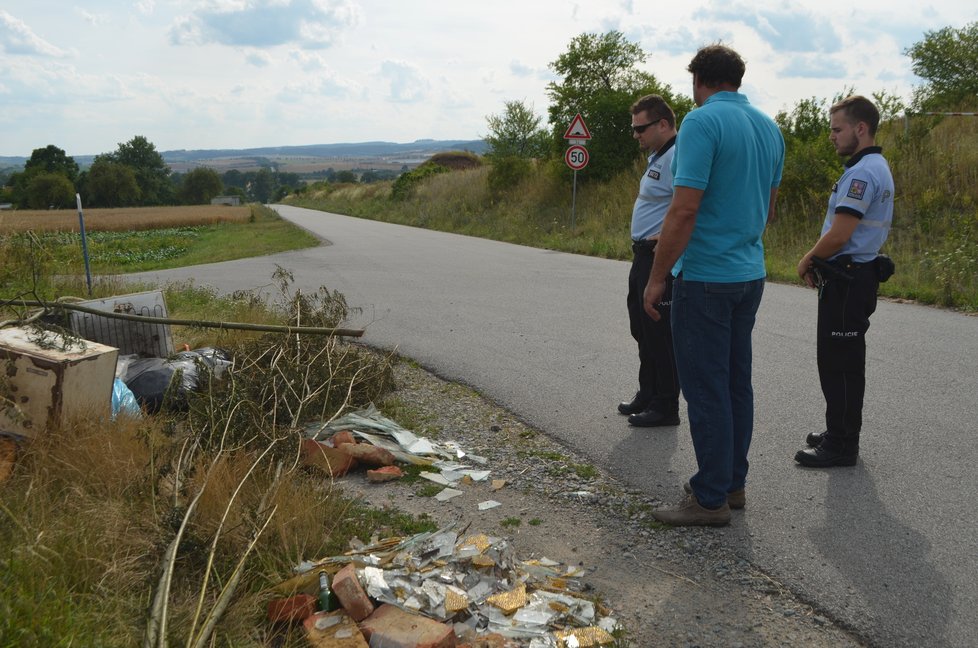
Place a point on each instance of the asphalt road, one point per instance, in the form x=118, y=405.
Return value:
x=888, y=548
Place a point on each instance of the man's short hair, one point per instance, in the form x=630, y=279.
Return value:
x=858, y=108
x=717, y=64
x=657, y=108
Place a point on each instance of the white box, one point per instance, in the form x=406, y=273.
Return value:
x=50, y=378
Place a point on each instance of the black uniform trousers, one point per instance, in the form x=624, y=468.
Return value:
x=658, y=381
x=844, y=308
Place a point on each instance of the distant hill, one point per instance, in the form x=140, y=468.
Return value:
x=417, y=150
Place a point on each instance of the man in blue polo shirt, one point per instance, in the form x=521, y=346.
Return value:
x=727, y=169
x=856, y=226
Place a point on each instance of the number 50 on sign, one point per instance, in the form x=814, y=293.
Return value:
x=576, y=157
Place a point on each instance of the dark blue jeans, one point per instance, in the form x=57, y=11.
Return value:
x=711, y=329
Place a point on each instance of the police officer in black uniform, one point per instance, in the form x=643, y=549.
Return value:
x=846, y=267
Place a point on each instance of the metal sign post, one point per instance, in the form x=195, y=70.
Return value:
x=576, y=156
x=84, y=242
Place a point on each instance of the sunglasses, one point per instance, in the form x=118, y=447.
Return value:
x=640, y=128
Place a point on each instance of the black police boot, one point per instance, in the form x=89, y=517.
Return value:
x=653, y=417
x=634, y=406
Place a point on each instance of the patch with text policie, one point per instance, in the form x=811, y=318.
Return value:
x=857, y=189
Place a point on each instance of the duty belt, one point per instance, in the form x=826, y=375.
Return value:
x=644, y=244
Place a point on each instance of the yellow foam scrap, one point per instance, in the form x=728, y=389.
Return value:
x=590, y=636
x=483, y=561
x=510, y=601
x=480, y=542
x=557, y=606
x=455, y=601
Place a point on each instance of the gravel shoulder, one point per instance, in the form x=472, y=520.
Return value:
x=666, y=586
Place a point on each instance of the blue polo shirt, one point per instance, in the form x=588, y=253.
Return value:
x=734, y=153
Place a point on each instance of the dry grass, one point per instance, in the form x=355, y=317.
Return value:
x=123, y=219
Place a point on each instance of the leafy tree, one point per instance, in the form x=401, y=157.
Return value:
x=51, y=159
x=516, y=133
x=111, y=184
x=507, y=172
x=263, y=185
x=947, y=59
x=811, y=164
x=234, y=178
x=49, y=190
x=43, y=161
x=199, y=185
x=346, y=176
x=890, y=105
x=600, y=80
x=152, y=173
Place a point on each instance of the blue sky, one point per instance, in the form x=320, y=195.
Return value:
x=197, y=74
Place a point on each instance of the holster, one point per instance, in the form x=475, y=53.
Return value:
x=884, y=267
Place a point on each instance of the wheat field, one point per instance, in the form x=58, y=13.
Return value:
x=121, y=219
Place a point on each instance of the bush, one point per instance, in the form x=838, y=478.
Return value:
x=406, y=182
x=507, y=172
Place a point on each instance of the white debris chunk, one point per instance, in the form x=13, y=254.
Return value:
x=447, y=494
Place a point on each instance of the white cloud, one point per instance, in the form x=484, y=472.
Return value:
x=311, y=24
x=17, y=38
x=211, y=73
x=258, y=58
x=406, y=83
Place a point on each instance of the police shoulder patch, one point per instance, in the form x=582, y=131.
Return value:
x=857, y=189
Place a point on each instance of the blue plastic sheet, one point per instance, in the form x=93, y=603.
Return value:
x=123, y=400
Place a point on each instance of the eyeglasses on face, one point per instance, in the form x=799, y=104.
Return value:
x=640, y=128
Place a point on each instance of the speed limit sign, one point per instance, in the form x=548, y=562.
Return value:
x=576, y=157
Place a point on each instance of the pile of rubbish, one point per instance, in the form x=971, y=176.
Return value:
x=460, y=588
x=142, y=384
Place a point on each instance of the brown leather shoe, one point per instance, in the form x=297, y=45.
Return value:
x=735, y=499
x=689, y=513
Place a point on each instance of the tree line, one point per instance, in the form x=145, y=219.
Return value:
x=134, y=175
x=599, y=77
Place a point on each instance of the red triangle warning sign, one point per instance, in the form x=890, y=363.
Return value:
x=577, y=129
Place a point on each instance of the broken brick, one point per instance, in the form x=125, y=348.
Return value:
x=384, y=474
x=342, y=437
x=330, y=460
x=291, y=610
x=333, y=630
x=392, y=627
x=368, y=454
x=350, y=593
